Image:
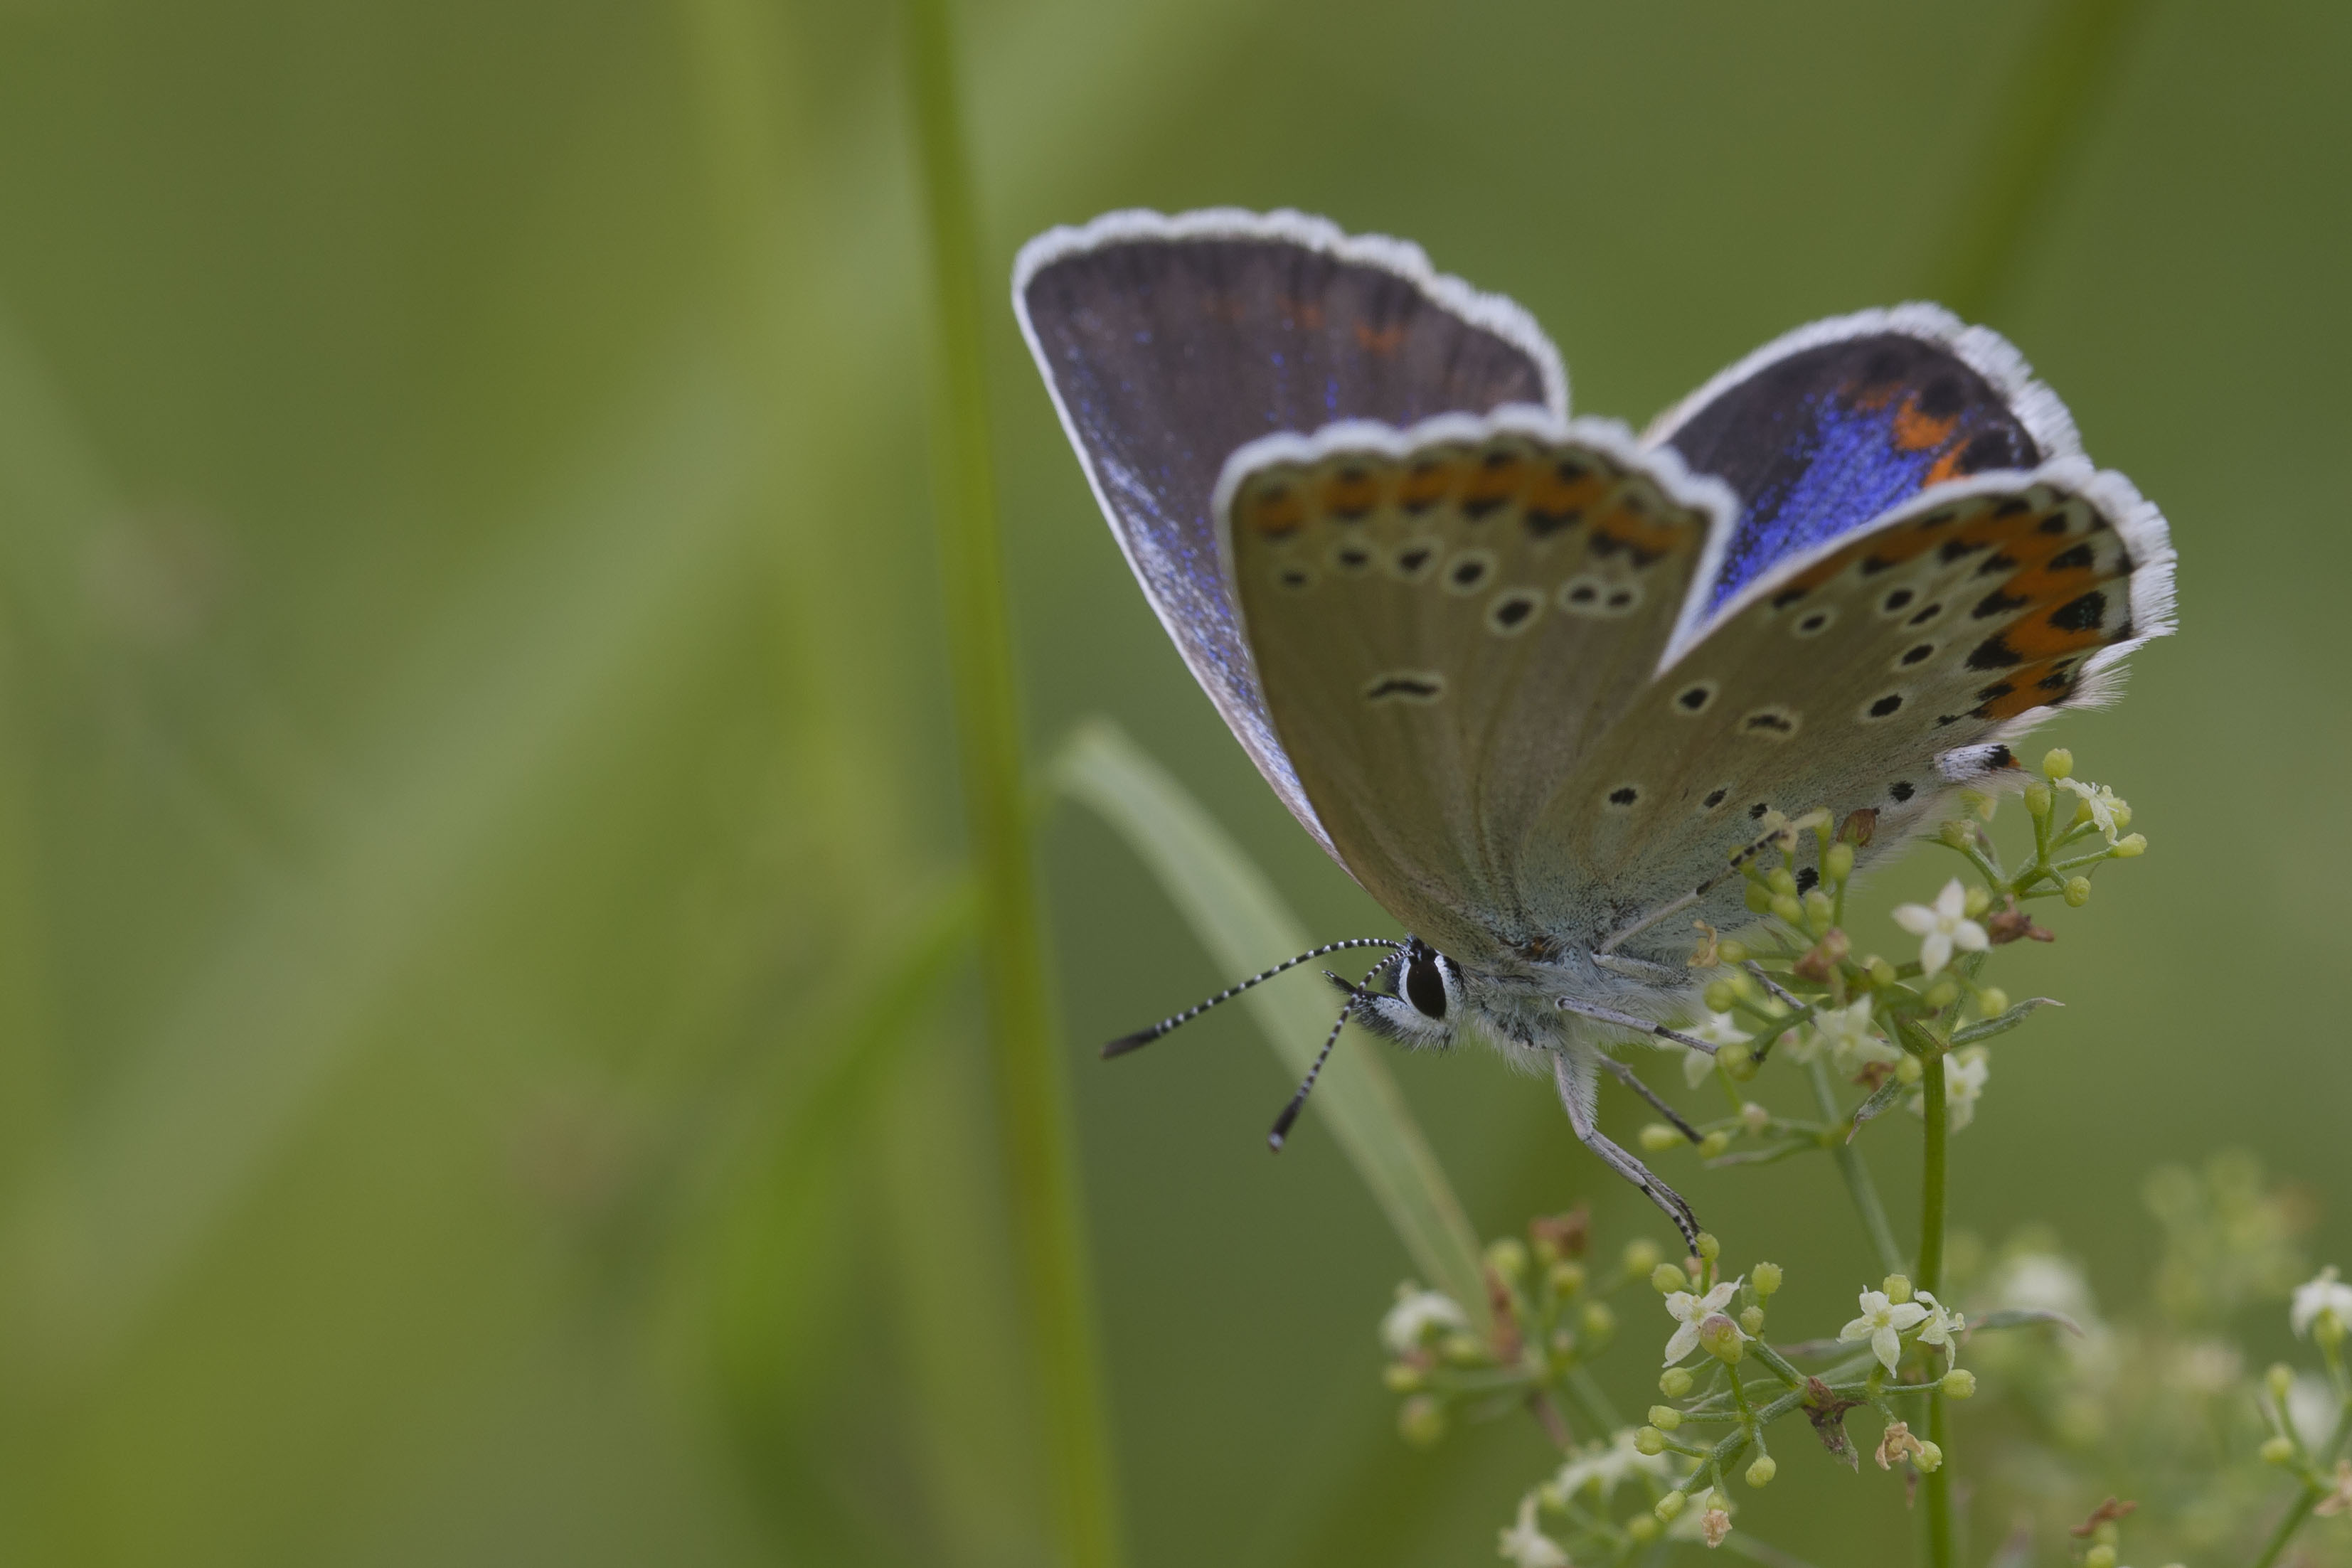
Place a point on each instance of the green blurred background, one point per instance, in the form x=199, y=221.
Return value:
x=487, y=1072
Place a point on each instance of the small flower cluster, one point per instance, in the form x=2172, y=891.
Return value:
x=1801, y=990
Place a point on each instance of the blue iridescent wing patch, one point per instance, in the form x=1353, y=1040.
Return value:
x=1836, y=423
x=1168, y=342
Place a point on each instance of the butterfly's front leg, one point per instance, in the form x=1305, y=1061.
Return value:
x=1572, y=1065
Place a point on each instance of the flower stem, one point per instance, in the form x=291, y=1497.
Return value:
x=1030, y=1096
x=1931, y=1271
x=2308, y=1499
x=1858, y=1185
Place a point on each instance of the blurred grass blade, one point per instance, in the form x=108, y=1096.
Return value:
x=1240, y=919
x=2060, y=76
x=1030, y=1096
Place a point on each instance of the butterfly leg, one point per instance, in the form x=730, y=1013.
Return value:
x=1627, y=1021
x=1572, y=1067
x=1632, y=1080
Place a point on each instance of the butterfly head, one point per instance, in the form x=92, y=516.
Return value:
x=1418, y=997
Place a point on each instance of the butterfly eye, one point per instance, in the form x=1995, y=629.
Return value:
x=1425, y=984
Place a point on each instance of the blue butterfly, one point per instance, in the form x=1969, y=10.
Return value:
x=1541, y=685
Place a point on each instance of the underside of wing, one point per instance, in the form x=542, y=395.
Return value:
x=1836, y=423
x=1168, y=342
x=1876, y=673
x=1443, y=619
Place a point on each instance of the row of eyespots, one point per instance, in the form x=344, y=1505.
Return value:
x=1899, y=792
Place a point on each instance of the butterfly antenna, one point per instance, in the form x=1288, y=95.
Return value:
x=1282, y=1124
x=1144, y=1036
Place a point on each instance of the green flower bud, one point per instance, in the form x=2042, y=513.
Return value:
x=1975, y=901
x=1666, y=1417
x=2078, y=892
x=1818, y=909
x=1993, y=1001
x=1838, y=865
x=1641, y=1256
x=1420, y=1420
x=2278, y=1451
x=2101, y=1556
x=1708, y=1247
x=2106, y=1532
x=1713, y=1144
x=1642, y=1528
x=1956, y=834
x=1675, y=1381
x=1787, y=910
x=1739, y=1064
x=1758, y=896
x=1599, y=1320
x=1881, y=973
x=2281, y=1377
x=2327, y=1329
x=1761, y=1472
x=2058, y=763
x=1732, y=952
x=1898, y=1288
x=1507, y=1258
x=1567, y=1279
x=1960, y=1383
x=1752, y=1320
x=1930, y=1458
x=1980, y=804
x=1781, y=880
x=1649, y=1440
x=1462, y=1349
x=1910, y=1069
x=1402, y=1377
x=1670, y=1507
x=1754, y=1118
x=1766, y=1278
x=2037, y=798
x=1943, y=993
x=1720, y=1337
x=1721, y=996
x=2131, y=846
x=1666, y=1279
x=1657, y=1137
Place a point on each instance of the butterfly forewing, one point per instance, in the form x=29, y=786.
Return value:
x=1444, y=620
x=1168, y=342
x=1875, y=676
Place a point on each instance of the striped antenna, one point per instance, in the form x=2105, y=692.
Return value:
x=1282, y=1124
x=1144, y=1036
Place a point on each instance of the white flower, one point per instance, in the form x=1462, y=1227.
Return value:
x=1718, y=1031
x=1608, y=1467
x=2109, y=811
x=1944, y=1327
x=1942, y=928
x=2311, y=1409
x=1418, y=1314
x=1526, y=1545
x=1965, y=1072
x=2324, y=1295
x=1691, y=1310
x=1852, y=1043
x=1882, y=1321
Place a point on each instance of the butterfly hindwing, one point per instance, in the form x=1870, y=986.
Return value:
x=1837, y=423
x=1443, y=619
x=1168, y=342
x=1875, y=672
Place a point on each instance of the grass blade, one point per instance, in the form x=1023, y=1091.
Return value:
x=1030, y=1096
x=1242, y=923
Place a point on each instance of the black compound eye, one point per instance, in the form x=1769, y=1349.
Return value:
x=1424, y=987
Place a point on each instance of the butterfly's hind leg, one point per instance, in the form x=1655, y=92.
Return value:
x=1572, y=1069
x=1632, y=1079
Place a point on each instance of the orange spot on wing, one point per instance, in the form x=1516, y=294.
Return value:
x=1917, y=432
x=1555, y=495
x=1492, y=484
x=1385, y=340
x=1351, y=493
x=1277, y=510
x=1427, y=484
x=1308, y=313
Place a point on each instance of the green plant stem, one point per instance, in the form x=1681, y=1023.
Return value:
x=1931, y=1271
x=1033, y=1114
x=1858, y=1185
x=2308, y=1499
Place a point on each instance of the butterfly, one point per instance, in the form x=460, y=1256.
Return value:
x=1541, y=685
